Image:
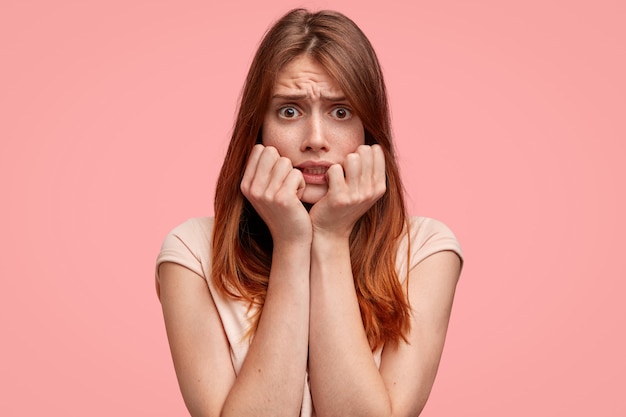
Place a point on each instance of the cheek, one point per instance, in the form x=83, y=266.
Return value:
x=270, y=135
x=280, y=137
x=355, y=136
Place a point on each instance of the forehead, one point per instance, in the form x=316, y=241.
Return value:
x=304, y=73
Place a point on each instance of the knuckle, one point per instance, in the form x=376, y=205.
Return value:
x=270, y=150
x=283, y=163
x=255, y=192
x=296, y=173
x=282, y=200
x=267, y=196
x=335, y=169
x=352, y=157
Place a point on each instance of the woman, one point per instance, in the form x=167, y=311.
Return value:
x=311, y=292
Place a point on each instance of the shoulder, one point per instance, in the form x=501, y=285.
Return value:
x=189, y=245
x=431, y=234
x=423, y=237
x=197, y=229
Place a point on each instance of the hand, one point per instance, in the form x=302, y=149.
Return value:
x=274, y=189
x=349, y=196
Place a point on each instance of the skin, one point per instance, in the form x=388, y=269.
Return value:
x=313, y=151
x=309, y=121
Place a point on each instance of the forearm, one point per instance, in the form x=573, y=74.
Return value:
x=344, y=378
x=271, y=380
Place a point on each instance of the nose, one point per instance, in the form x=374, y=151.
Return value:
x=315, y=137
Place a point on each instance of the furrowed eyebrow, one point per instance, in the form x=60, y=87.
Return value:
x=289, y=97
x=299, y=97
x=333, y=99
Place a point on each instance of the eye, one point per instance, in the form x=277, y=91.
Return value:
x=288, y=112
x=341, y=113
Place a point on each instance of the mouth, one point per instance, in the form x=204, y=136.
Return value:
x=314, y=170
x=314, y=173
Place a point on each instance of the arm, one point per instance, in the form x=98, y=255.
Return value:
x=409, y=369
x=197, y=341
x=344, y=377
x=272, y=376
x=271, y=380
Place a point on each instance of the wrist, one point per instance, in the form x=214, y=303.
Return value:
x=331, y=235
x=292, y=244
x=300, y=236
x=330, y=241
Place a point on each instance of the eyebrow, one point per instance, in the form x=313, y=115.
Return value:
x=299, y=97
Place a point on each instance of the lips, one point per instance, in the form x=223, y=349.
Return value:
x=314, y=172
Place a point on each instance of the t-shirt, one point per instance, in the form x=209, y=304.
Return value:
x=189, y=245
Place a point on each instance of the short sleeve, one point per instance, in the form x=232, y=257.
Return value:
x=425, y=237
x=188, y=245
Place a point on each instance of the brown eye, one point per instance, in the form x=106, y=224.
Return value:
x=288, y=112
x=341, y=113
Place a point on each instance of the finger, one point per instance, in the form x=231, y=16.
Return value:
x=352, y=166
x=367, y=162
x=378, y=161
x=251, y=166
x=294, y=182
x=335, y=177
x=380, y=173
x=261, y=176
x=280, y=170
x=264, y=166
x=267, y=159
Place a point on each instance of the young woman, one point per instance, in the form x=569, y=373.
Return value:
x=311, y=292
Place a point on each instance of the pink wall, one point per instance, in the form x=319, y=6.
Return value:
x=510, y=126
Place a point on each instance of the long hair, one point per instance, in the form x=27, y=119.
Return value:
x=242, y=244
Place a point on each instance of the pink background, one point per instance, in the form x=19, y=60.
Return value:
x=510, y=125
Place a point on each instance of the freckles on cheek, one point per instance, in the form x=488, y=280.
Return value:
x=358, y=138
x=357, y=133
x=282, y=137
x=266, y=135
x=267, y=129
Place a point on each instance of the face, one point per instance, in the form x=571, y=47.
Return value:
x=310, y=122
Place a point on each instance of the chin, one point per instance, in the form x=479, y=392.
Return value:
x=313, y=193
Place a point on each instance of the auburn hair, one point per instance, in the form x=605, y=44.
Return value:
x=242, y=244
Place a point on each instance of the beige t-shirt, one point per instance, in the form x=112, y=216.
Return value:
x=189, y=245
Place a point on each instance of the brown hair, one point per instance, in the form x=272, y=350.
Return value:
x=242, y=244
